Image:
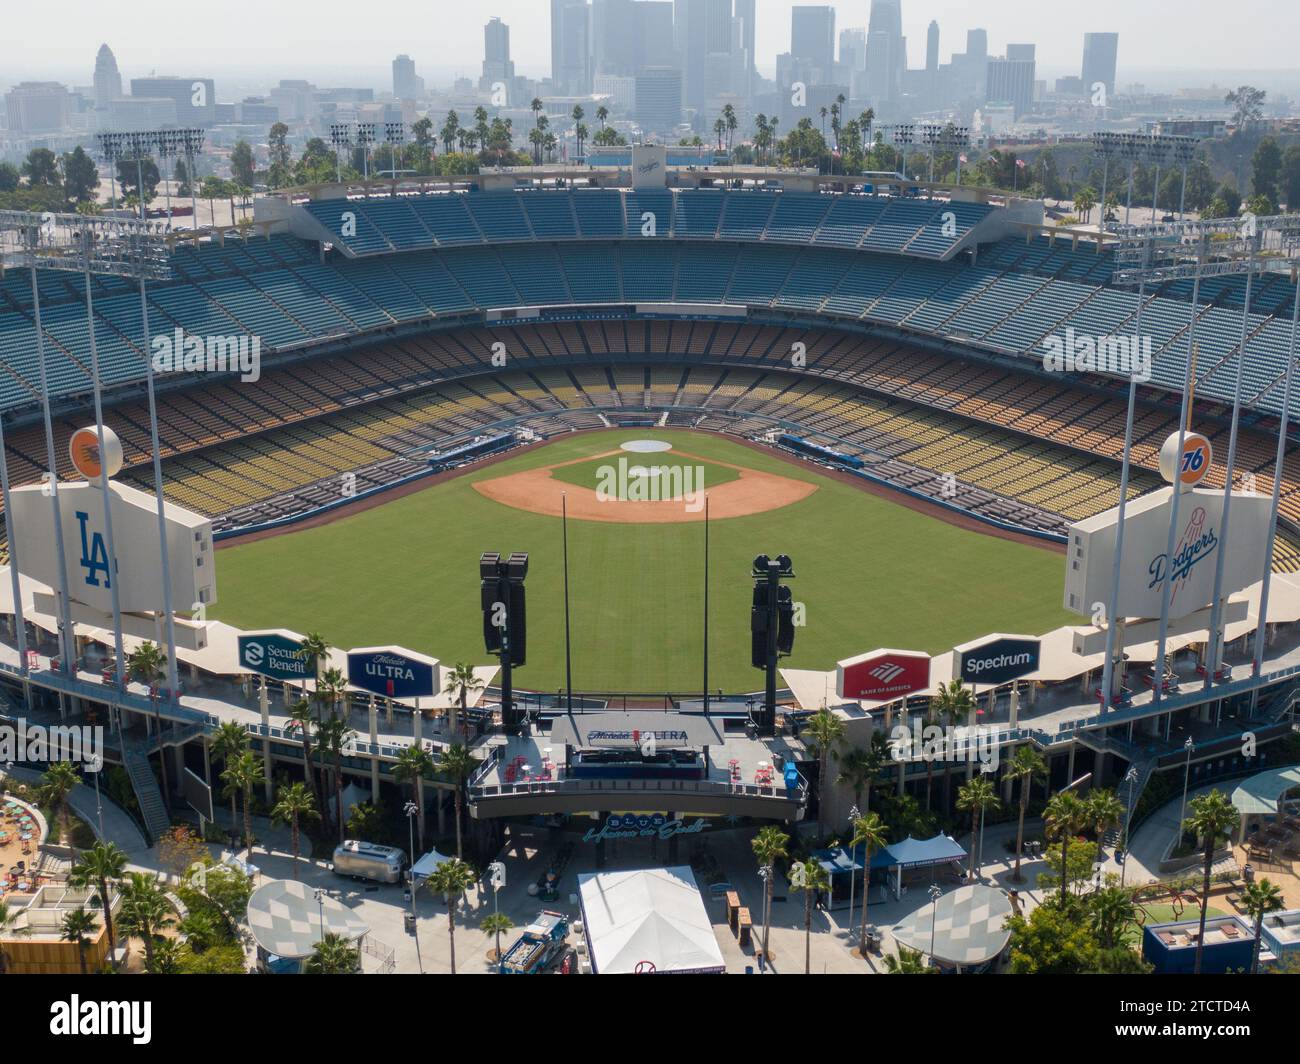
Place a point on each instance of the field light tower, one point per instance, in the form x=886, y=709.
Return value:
x=367, y=132
x=771, y=625
x=340, y=139
x=505, y=622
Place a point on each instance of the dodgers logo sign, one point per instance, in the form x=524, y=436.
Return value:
x=274, y=656
x=1196, y=545
x=94, y=553
x=390, y=674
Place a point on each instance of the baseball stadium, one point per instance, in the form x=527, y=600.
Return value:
x=752, y=430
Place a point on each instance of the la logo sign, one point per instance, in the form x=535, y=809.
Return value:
x=882, y=675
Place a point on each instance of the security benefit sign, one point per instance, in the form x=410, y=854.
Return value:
x=91, y=572
x=276, y=656
x=882, y=675
x=392, y=672
x=998, y=659
x=1147, y=563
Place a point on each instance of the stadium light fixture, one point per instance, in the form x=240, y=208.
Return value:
x=366, y=135
x=340, y=139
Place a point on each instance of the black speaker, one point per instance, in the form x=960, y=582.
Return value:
x=784, y=621
x=518, y=625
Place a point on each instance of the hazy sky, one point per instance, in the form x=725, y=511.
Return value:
x=59, y=38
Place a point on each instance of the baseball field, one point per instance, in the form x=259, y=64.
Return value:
x=870, y=572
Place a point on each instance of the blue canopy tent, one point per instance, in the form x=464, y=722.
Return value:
x=917, y=853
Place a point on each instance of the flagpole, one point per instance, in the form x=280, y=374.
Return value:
x=568, y=659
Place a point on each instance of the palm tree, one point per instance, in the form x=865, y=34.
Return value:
x=56, y=785
x=229, y=741
x=300, y=719
x=953, y=704
x=811, y=878
x=1084, y=201
x=769, y=847
x=451, y=879
x=240, y=776
x=460, y=682
x=908, y=962
x=827, y=731
x=1065, y=814
x=331, y=737
x=333, y=955
x=77, y=925
x=1105, y=811
x=494, y=924
x=148, y=664
x=98, y=867
x=602, y=113
x=1111, y=912
x=1212, y=819
x=145, y=912
x=413, y=764
x=976, y=797
x=314, y=650
x=870, y=833
x=457, y=762
x=1026, y=763
x=1259, y=899
x=293, y=803
x=8, y=927
x=859, y=768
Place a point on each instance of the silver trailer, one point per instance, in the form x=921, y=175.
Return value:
x=366, y=860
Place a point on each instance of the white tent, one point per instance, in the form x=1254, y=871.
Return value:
x=653, y=917
x=427, y=865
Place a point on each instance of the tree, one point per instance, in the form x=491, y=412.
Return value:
x=908, y=962
x=1052, y=941
x=77, y=927
x=8, y=177
x=41, y=168
x=9, y=927
x=422, y=132
x=300, y=720
x=101, y=867
x=1105, y=811
x=277, y=146
x=331, y=737
x=1212, y=819
x=870, y=833
x=1064, y=816
x=976, y=797
x=859, y=768
x=145, y=912
x=457, y=762
x=452, y=879
x=180, y=849
x=148, y=664
x=242, y=166
x=1247, y=103
x=1111, y=913
x=80, y=177
x=811, y=878
x=954, y=705
x=293, y=803
x=769, y=846
x=413, y=764
x=460, y=682
x=1259, y=899
x=333, y=955
x=494, y=924
x=1266, y=169
x=229, y=741
x=129, y=173
x=1026, y=763
x=827, y=732
x=1290, y=180
x=449, y=130
x=57, y=785
x=240, y=776
x=1084, y=201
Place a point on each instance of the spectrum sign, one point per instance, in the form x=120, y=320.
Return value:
x=998, y=661
x=882, y=675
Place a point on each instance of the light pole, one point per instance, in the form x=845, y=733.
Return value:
x=1187, y=776
x=411, y=810
x=765, y=874
x=320, y=905
x=936, y=892
x=1131, y=776
x=854, y=814
x=987, y=770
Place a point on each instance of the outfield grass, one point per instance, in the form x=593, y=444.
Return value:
x=870, y=573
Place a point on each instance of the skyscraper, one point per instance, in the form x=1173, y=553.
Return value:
x=497, y=64
x=701, y=28
x=571, y=47
x=613, y=36
x=1100, y=57
x=932, y=48
x=886, y=54
x=1011, y=78
x=746, y=14
x=812, y=39
x=407, y=85
x=108, y=80
x=654, y=34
